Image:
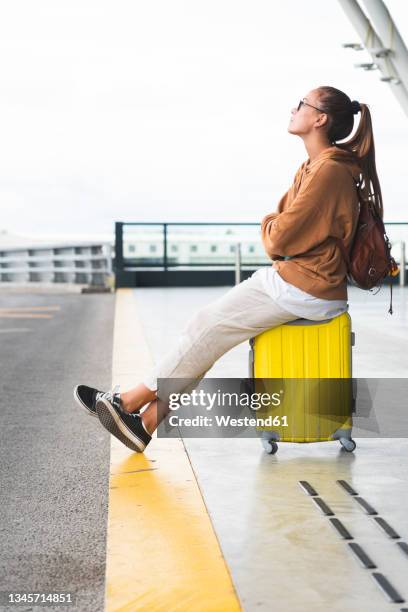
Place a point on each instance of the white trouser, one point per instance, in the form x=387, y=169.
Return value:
x=244, y=311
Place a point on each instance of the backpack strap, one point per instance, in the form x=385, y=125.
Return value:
x=390, y=308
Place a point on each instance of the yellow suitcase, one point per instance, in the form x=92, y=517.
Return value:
x=310, y=363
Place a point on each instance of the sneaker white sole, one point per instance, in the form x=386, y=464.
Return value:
x=114, y=424
x=81, y=403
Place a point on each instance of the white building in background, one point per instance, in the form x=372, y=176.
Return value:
x=193, y=247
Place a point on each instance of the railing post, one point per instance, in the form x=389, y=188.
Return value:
x=237, y=263
x=402, y=264
x=118, y=245
x=165, y=246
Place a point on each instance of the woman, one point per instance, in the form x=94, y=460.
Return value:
x=306, y=280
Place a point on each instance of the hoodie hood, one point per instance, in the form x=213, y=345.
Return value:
x=336, y=154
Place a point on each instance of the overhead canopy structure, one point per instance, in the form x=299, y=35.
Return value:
x=381, y=38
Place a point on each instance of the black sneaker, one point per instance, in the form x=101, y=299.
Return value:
x=128, y=428
x=86, y=397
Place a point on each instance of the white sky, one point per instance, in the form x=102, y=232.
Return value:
x=171, y=110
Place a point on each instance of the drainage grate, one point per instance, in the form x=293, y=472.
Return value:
x=386, y=527
x=403, y=546
x=362, y=556
x=364, y=504
x=306, y=486
x=341, y=529
x=327, y=511
x=387, y=588
x=347, y=487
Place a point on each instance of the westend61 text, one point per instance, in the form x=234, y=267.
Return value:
x=227, y=421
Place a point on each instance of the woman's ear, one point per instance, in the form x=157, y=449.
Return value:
x=322, y=120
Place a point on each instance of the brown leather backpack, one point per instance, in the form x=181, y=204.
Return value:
x=370, y=260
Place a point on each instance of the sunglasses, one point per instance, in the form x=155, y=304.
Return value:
x=302, y=103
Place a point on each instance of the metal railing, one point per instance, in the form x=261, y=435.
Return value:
x=162, y=234
x=181, y=252
x=401, y=263
x=87, y=263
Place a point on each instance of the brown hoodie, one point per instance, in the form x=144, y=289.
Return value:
x=321, y=203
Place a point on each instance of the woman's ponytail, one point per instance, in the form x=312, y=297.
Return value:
x=340, y=110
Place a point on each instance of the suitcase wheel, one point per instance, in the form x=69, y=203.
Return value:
x=348, y=444
x=270, y=446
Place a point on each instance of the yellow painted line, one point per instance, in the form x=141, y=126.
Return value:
x=28, y=308
x=162, y=552
x=27, y=312
x=24, y=315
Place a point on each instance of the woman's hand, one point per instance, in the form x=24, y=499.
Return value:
x=264, y=233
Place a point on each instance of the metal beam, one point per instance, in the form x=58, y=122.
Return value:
x=388, y=31
x=374, y=45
